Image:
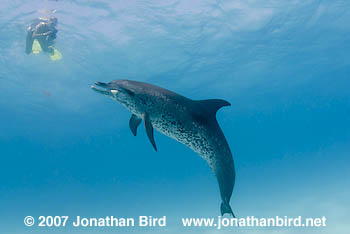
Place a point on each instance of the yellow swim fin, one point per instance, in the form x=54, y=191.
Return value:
x=56, y=55
x=36, y=48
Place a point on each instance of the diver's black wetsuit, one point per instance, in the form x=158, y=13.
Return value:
x=44, y=31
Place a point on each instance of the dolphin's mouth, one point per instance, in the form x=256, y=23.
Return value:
x=103, y=88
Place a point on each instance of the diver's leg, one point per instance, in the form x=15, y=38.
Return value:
x=29, y=42
x=44, y=45
x=50, y=50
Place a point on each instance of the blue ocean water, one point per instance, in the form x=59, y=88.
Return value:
x=283, y=65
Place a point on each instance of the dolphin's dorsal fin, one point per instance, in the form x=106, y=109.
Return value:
x=134, y=122
x=149, y=129
x=211, y=106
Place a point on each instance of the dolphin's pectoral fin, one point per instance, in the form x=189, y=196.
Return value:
x=134, y=123
x=149, y=130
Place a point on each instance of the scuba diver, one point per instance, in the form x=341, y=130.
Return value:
x=40, y=37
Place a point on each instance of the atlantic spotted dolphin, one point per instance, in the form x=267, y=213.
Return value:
x=190, y=122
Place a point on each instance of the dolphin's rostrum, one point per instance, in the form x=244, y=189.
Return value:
x=190, y=122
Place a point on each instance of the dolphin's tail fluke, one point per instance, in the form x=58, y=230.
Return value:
x=226, y=209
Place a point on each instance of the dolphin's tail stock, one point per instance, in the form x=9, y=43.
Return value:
x=226, y=208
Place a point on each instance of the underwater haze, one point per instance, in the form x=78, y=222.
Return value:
x=283, y=65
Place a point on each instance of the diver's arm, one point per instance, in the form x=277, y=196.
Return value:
x=42, y=34
x=41, y=29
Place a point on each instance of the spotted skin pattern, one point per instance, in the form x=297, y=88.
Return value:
x=185, y=120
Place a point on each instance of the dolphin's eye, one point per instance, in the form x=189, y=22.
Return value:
x=131, y=93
